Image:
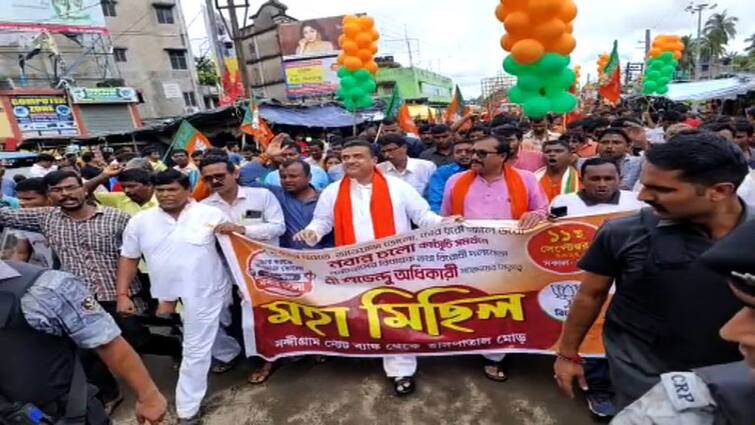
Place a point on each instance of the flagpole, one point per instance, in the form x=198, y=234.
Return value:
x=354, y=123
x=170, y=147
x=380, y=130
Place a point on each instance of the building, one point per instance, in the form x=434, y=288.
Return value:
x=415, y=85
x=142, y=54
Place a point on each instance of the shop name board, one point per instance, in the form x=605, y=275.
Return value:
x=44, y=116
x=96, y=95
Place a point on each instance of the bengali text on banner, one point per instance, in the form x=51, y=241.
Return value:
x=476, y=286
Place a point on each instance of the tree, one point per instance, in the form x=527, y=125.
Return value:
x=750, y=49
x=719, y=29
x=206, y=70
x=687, y=62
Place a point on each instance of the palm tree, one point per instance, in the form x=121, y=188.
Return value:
x=687, y=62
x=750, y=49
x=719, y=29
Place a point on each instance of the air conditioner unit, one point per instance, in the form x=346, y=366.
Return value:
x=192, y=109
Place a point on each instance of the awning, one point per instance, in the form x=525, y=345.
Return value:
x=727, y=88
x=312, y=116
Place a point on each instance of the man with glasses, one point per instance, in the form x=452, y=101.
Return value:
x=416, y=172
x=494, y=190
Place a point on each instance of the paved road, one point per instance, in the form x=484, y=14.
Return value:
x=353, y=391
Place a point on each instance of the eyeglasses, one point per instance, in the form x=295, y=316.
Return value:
x=482, y=154
x=212, y=178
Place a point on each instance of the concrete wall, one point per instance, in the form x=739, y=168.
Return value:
x=415, y=84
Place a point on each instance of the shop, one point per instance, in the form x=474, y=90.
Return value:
x=106, y=109
x=35, y=113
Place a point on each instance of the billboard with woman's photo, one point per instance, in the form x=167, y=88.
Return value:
x=312, y=38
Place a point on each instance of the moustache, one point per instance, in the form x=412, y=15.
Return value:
x=656, y=207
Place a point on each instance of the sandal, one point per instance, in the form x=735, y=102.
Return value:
x=495, y=371
x=321, y=359
x=403, y=385
x=261, y=374
x=218, y=367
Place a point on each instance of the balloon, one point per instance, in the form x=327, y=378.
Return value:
x=517, y=23
x=529, y=82
x=652, y=75
x=666, y=56
x=516, y=95
x=668, y=70
x=552, y=63
x=362, y=75
x=568, y=11
x=365, y=55
x=677, y=55
x=366, y=22
x=664, y=81
x=569, y=27
x=527, y=51
x=512, y=67
x=563, y=45
x=656, y=64
x=373, y=48
x=342, y=93
x=351, y=29
x=537, y=107
x=350, y=19
x=507, y=42
x=365, y=102
x=566, y=78
x=375, y=35
x=500, y=12
x=369, y=86
x=542, y=10
x=348, y=82
x=655, y=52
x=341, y=39
x=372, y=67
x=340, y=59
x=352, y=63
x=662, y=90
x=349, y=104
x=363, y=39
x=650, y=86
x=356, y=92
x=550, y=29
x=350, y=47
x=563, y=103
x=342, y=72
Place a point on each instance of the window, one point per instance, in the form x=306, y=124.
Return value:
x=119, y=54
x=178, y=59
x=190, y=99
x=165, y=14
x=108, y=7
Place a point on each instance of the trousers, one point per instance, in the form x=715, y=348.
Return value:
x=201, y=320
x=225, y=348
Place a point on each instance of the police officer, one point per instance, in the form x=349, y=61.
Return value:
x=667, y=307
x=722, y=394
x=46, y=316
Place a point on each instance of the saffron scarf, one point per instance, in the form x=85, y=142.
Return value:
x=569, y=182
x=381, y=211
x=518, y=194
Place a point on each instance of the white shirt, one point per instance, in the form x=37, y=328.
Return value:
x=575, y=206
x=417, y=172
x=182, y=256
x=408, y=207
x=37, y=170
x=41, y=253
x=255, y=208
x=746, y=190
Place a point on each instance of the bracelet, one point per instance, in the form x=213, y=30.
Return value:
x=576, y=360
x=123, y=295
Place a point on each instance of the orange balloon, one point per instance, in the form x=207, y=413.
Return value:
x=352, y=29
x=341, y=39
x=517, y=23
x=352, y=63
x=500, y=12
x=507, y=42
x=509, y=6
x=677, y=55
x=549, y=30
x=543, y=10
x=341, y=58
x=563, y=45
x=363, y=39
x=366, y=22
x=350, y=19
x=375, y=35
x=350, y=47
x=568, y=11
x=373, y=48
x=570, y=27
x=365, y=55
x=371, y=66
x=527, y=51
x=655, y=52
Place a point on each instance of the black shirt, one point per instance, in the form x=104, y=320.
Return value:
x=90, y=171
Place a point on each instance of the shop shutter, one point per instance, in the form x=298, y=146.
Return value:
x=99, y=119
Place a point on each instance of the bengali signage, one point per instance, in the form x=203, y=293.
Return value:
x=95, y=95
x=59, y=16
x=457, y=288
x=43, y=116
x=311, y=77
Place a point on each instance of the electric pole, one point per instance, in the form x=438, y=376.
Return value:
x=698, y=7
x=231, y=6
x=408, y=47
x=647, y=42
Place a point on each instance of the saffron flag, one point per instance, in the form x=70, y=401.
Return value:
x=398, y=110
x=233, y=88
x=431, y=116
x=610, y=86
x=190, y=139
x=255, y=126
x=456, y=109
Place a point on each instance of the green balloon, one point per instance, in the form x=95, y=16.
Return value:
x=662, y=90
x=342, y=93
x=563, y=103
x=668, y=71
x=666, y=57
x=516, y=94
x=356, y=93
x=365, y=102
x=656, y=64
x=566, y=79
x=652, y=75
x=369, y=86
x=551, y=64
x=537, y=107
x=529, y=82
x=664, y=81
x=650, y=86
x=362, y=75
x=512, y=67
x=349, y=104
x=343, y=71
x=348, y=82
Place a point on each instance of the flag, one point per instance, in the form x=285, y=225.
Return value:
x=233, y=87
x=610, y=86
x=430, y=116
x=189, y=138
x=255, y=126
x=398, y=110
x=456, y=108
x=393, y=106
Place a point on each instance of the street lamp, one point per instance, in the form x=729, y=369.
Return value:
x=698, y=7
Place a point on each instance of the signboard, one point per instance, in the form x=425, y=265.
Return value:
x=311, y=77
x=40, y=116
x=477, y=286
x=316, y=37
x=172, y=91
x=94, y=95
x=60, y=16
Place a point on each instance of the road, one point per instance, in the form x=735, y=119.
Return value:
x=450, y=390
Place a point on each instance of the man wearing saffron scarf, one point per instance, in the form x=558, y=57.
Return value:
x=365, y=206
x=494, y=190
x=558, y=177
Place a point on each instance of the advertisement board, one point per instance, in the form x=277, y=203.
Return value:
x=313, y=38
x=61, y=16
x=311, y=77
x=40, y=116
x=95, y=95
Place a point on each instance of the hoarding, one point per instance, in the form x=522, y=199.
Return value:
x=95, y=95
x=61, y=16
x=311, y=77
x=44, y=116
x=313, y=38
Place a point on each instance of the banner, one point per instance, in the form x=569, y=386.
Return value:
x=312, y=38
x=311, y=77
x=59, y=16
x=39, y=116
x=478, y=286
x=96, y=95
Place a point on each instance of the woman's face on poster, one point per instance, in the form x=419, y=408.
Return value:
x=310, y=34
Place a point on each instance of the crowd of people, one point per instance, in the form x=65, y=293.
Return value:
x=131, y=242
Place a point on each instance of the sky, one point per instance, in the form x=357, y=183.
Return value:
x=460, y=39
